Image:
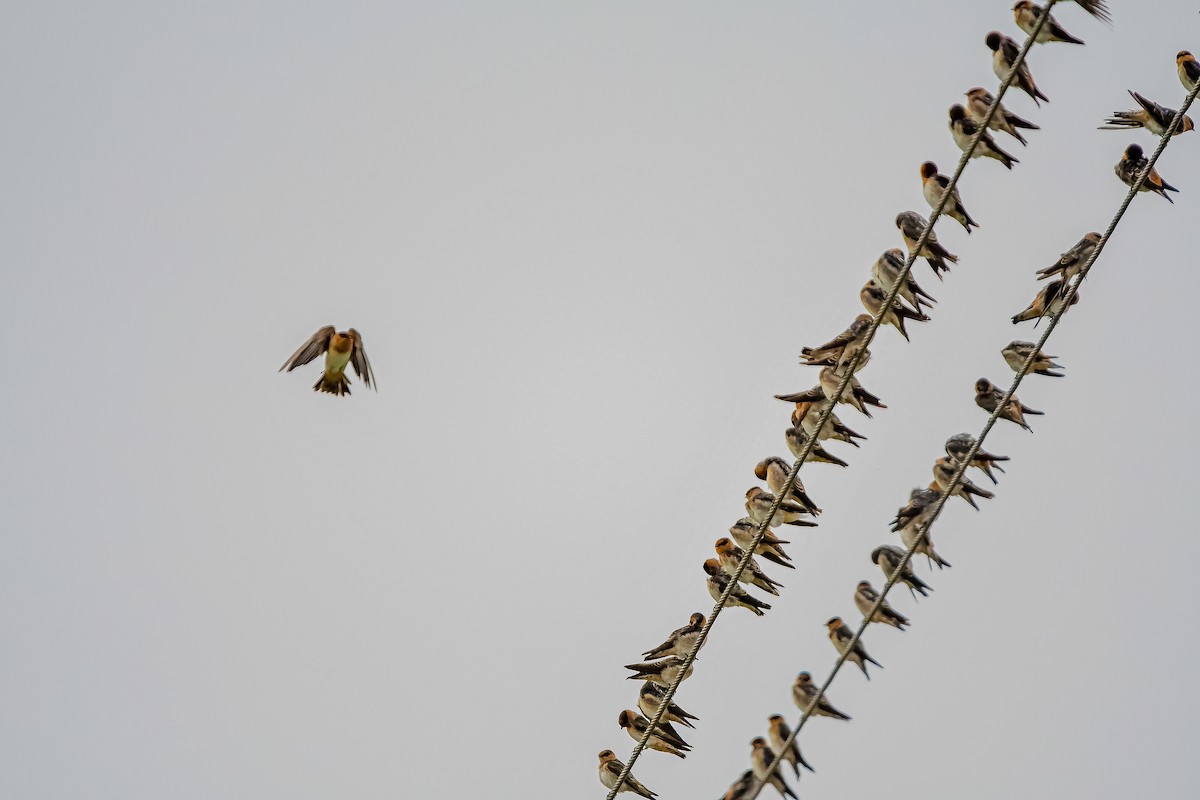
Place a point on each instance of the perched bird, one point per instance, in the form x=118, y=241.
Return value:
x=920, y=541
x=1070, y=263
x=650, y=697
x=718, y=581
x=610, y=771
x=943, y=475
x=1017, y=353
x=743, y=788
x=680, y=642
x=959, y=446
x=1004, y=56
x=840, y=636
x=771, y=546
x=1096, y=8
x=663, y=672
x=911, y=224
x=730, y=555
x=873, y=297
x=889, y=557
x=796, y=439
x=636, y=726
x=1050, y=300
x=886, y=270
x=1027, y=15
x=340, y=349
x=807, y=414
x=758, y=506
x=778, y=734
x=934, y=185
x=980, y=100
x=1150, y=115
x=761, y=759
x=774, y=470
x=865, y=598
x=1131, y=166
x=963, y=129
x=853, y=394
x=842, y=348
x=1189, y=69
x=803, y=692
x=988, y=397
x=914, y=517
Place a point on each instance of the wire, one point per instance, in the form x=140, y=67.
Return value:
x=995, y=415
x=827, y=409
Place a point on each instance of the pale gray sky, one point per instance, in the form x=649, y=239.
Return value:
x=584, y=243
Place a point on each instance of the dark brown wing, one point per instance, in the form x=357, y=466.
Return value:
x=317, y=344
x=358, y=360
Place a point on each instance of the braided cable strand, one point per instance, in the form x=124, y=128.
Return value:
x=827, y=411
x=991, y=421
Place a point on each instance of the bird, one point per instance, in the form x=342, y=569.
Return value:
x=636, y=726
x=730, y=555
x=1096, y=8
x=943, y=475
x=887, y=269
x=963, y=129
x=662, y=672
x=717, y=583
x=610, y=771
x=1050, y=300
x=1189, y=69
x=918, y=539
x=761, y=759
x=340, y=349
x=1004, y=56
x=865, y=598
x=758, y=506
x=980, y=101
x=650, y=697
x=1072, y=262
x=680, y=642
x=743, y=788
x=796, y=440
x=934, y=185
x=774, y=470
x=873, y=297
x=914, y=517
x=807, y=414
x=888, y=557
x=852, y=394
x=1131, y=166
x=771, y=546
x=1027, y=15
x=842, y=348
x=988, y=397
x=911, y=224
x=959, y=446
x=1017, y=353
x=803, y=692
x=840, y=636
x=1151, y=116
x=778, y=733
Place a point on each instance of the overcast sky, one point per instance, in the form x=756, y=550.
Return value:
x=584, y=243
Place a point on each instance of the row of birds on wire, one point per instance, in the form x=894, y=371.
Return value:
x=666, y=661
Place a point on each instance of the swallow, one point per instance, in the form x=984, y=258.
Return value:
x=636, y=726
x=771, y=546
x=803, y=692
x=806, y=415
x=934, y=185
x=1050, y=300
x=886, y=271
x=1132, y=164
x=1150, y=115
x=922, y=545
x=758, y=505
x=842, y=348
x=662, y=672
x=1072, y=262
x=680, y=642
x=1189, y=69
x=1017, y=353
x=718, y=581
x=1027, y=15
x=761, y=758
x=610, y=771
x=960, y=444
x=778, y=734
x=980, y=100
x=796, y=439
x=914, y=517
x=888, y=557
x=774, y=470
x=963, y=129
x=943, y=475
x=988, y=397
x=911, y=224
x=730, y=555
x=743, y=788
x=1004, y=56
x=853, y=394
x=1096, y=8
x=650, y=697
x=840, y=636
x=865, y=598
x=873, y=297
x=340, y=349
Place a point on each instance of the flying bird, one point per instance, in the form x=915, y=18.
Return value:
x=980, y=100
x=960, y=444
x=1004, y=56
x=680, y=642
x=778, y=734
x=1027, y=15
x=717, y=583
x=934, y=186
x=803, y=692
x=761, y=758
x=340, y=349
x=963, y=129
x=610, y=771
x=888, y=557
x=840, y=636
x=1017, y=353
x=1133, y=162
x=988, y=397
x=1072, y=262
x=865, y=598
x=1150, y=115
x=911, y=224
